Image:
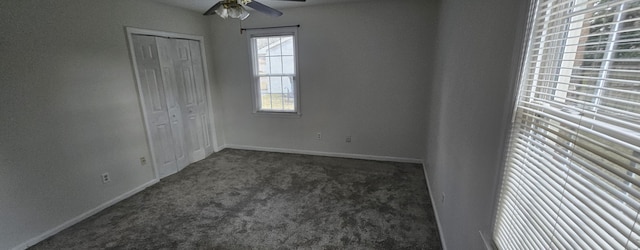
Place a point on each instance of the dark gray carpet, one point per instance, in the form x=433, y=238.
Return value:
x=238, y=199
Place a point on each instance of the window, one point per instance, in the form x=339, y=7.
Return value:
x=572, y=172
x=275, y=81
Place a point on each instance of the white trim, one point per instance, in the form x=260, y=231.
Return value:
x=255, y=82
x=218, y=148
x=277, y=114
x=435, y=209
x=82, y=216
x=515, y=74
x=148, y=32
x=207, y=86
x=321, y=153
x=129, y=32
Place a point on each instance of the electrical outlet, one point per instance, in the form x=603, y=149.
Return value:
x=348, y=139
x=105, y=178
x=318, y=136
x=143, y=161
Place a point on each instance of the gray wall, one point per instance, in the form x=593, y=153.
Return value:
x=364, y=71
x=70, y=109
x=478, y=50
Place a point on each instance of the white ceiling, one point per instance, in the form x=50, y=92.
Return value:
x=204, y=5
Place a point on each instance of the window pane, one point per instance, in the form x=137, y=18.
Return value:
x=265, y=93
x=264, y=84
x=263, y=65
x=288, y=65
x=276, y=84
x=287, y=85
x=287, y=46
x=273, y=95
x=276, y=64
x=288, y=94
x=274, y=46
x=276, y=101
x=277, y=94
x=265, y=101
x=262, y=44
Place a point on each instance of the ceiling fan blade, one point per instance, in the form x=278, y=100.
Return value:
x=264, y=9
x=212, y=10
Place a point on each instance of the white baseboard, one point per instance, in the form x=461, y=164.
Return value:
x=321, y=153
x=488, y=243
x=217, y=149
x=82, y=216
x=435, y=209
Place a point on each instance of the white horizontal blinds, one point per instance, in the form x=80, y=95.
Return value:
x=572, y=174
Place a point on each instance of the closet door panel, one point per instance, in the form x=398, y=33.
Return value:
x=152, y=88
x=171, y=89
x=189, y=99
x=202, y=102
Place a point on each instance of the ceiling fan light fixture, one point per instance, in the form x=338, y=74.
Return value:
x=222, y=11
x=232, y=10
x=235, y=8
x=238, y=12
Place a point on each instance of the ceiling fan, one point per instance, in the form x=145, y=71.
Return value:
x=235, y=8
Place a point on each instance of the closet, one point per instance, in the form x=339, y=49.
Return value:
x=172, y=89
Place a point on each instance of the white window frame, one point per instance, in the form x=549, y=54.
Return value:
x=255, y=76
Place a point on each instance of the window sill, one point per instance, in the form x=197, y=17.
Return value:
x=278, y=114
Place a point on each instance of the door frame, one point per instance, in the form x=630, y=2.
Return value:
x=130, y=31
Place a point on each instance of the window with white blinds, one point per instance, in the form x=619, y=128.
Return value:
x=572, y=173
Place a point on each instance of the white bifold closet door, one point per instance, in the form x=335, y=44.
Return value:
x=190, y=82
x=175, y=100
